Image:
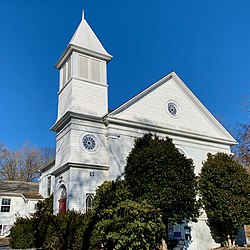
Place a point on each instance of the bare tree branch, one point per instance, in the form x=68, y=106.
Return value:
x=22, y=164
x=242, y=150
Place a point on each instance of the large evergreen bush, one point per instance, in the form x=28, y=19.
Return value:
x=121, y=223
x=129, y=225
x=157, y=172
x=22, y=233
x=159, y=186
x=66, y=231
x=225, y=189
x=43, y=218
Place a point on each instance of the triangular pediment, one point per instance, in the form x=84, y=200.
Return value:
x=152, y=107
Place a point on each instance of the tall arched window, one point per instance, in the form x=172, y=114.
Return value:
x=63, y=199
x=89, y=202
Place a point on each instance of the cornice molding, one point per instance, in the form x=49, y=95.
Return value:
x=66, y=118
x=68, y=165
x=71, y=48
x=158, y=129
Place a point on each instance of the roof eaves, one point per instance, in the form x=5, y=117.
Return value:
x=141, y=94
x=48, y=164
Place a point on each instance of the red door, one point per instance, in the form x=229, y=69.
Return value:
x=62, y=205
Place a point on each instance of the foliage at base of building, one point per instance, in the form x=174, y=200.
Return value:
x=63, y=231
x=158, y=172
x=159, y=186
x=225, y=189
x=22, y=234
x=121, y=223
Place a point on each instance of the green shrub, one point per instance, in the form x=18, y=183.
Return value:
x=22, y=233
x=225, y=189
x=129, y=225
x=82, y=235
x=53, y=240
x=66, y=231
x=157, y=172
x=43, y=219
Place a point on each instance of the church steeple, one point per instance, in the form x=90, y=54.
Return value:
x=81, y=142
x=83, y=77
x=84, y=37
x=86, y=40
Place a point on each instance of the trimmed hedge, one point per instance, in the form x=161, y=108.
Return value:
x=66, y=231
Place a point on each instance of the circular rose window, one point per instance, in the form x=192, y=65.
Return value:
x=89, y=143
x=173, y=109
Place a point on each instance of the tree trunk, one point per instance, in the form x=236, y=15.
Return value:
x=230, y=241
x=163, y=245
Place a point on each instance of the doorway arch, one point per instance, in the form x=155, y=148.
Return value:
x=63, y=199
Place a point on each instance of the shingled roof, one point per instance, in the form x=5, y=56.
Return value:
x=28, y=189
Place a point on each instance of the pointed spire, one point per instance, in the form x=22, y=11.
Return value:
x=85, y=38
x=83, y=14
x=85, y=41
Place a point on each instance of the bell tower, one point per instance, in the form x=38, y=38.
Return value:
x=83, y=75
x=81, y=143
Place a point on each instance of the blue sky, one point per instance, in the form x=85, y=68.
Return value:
x=206, y=42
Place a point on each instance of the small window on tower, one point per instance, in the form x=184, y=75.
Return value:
x=49, y=186
x=83, y=66
x=64, y=75
x=89, y=202
x=96, y=70
x=69, y=69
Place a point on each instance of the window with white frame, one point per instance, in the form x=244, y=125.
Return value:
x=49, y=186
x=89, y=202
x=5, y=205
x=66, y=73
x=69, y=69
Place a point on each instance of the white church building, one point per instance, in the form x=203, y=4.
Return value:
x=92, y=143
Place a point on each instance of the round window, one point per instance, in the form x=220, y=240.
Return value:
x=173, y=109
x=89, y=143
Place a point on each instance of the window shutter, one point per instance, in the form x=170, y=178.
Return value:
x=64, y=75
x=69, y=69
x=83, y=66
x=96, y=70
